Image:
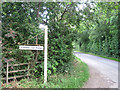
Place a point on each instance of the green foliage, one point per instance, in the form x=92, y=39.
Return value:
x=75, y=78
x=101, y=35
x=60, y=47
x=20, y=22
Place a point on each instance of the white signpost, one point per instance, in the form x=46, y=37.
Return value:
x=22, y=47
x=31, y=47
x=45, y=55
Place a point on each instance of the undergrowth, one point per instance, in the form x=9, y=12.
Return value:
x=76, y=78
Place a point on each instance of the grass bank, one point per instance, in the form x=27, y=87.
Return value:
x=76, y=78
x=111, y=58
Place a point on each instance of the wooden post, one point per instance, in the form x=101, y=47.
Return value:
x=37, y=50
x=28, y=71
x=7, y=73
x=36, y=40
x=27, y=41
x=45, y=55
x=28, y=63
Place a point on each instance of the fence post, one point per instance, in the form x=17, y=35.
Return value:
x=28, y=63
x=37, y=50
x=28, y=71
x=7, y=73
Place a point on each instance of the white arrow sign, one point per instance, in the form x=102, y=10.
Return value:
x=31, y=47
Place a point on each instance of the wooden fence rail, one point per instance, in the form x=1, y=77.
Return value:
x=23, y=70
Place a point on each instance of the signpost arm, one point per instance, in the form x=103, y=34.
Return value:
x=45, y=55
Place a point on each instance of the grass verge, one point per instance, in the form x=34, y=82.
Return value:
x=111, y=58
x=76, y=78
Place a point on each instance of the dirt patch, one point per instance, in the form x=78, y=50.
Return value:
x=97, y=80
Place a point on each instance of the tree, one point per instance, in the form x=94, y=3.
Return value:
x=21, y=22
x=102, y=30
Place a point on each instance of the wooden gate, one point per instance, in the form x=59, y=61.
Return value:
x=7, y=66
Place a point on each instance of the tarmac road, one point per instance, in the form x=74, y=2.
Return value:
x=103, y=71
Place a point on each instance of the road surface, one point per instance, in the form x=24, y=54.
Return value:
x=104, y=72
